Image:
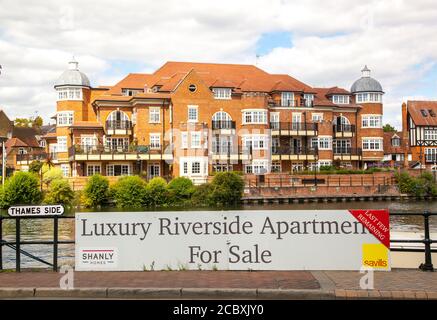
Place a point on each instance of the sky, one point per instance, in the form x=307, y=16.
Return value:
x=320, y=42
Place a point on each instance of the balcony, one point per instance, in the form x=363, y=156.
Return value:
x=294, y=153
x=347, y=153
x=294, y=129
x=121, y=127
x=223, y=125
x=123, y=152
x=302, y=103
x=344, y=130
x=28, y=158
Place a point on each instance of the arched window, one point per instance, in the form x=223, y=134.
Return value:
x=342, y=124
x=118, y=120
x=222, y=120
x=221, y=116
x=341, y=120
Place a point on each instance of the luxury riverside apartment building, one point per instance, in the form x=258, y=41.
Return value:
x=193, y=119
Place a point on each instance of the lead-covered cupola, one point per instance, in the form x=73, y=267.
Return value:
x=70, y=84
x=367, y=89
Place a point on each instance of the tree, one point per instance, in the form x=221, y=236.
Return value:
x=129, y=192
x=21, y=188
x=226, y=189
x=60, y=192
x=22, y=122
x=389, y=128
x=36, y=122
x=96, y=191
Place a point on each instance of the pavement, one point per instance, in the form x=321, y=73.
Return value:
x=396, y=284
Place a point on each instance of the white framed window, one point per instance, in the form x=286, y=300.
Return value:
x=255, y=116
x=222, y=93
x=257, y=167
x=309, y=99
x=317, y=117
x=255, y=142
x=222, y=167
x=62, y=144
x=430, y=134
x=65, y=118
x=42, y=143
x=371, y=121
x=369, y=97
x=184, y=140
x=154, y=170
x=340, y=99
x=92, y=169
x=155, y=141
x=322, y=143
x=431, y=154
x=372, y=144
x=130, y=92
x=88, y=140
x=193, y=113
x=276, y=166
x=287, y=99
x=69, y=93
x=117, y=143
x=195, y=139
x=185, y=167
x=118, y=170
x=194, y=166
x=154, y=115
x=396, y=142
x=65, y=168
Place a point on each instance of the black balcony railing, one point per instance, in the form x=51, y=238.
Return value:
x=118, y=125
x=294, y=103
x=294, y=126
x=346, y=151
x=29, y=157
x=223, y=124
x=344, y=128
x=122, y=149
x=287, y=150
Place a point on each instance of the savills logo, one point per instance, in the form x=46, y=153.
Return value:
x=375, y=256
x=95, y=256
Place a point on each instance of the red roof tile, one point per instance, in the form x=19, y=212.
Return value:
x=414, y=109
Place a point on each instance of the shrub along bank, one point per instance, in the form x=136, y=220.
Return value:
x=225, y=189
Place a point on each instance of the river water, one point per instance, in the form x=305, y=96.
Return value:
x=43, y=229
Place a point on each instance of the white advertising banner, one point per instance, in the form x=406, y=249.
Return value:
x=233, y=240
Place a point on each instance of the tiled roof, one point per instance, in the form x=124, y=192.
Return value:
x=425, y=117
x=388, y=146
x=337, y=90
x=26, y=135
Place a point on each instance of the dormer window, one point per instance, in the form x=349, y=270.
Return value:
x=309, y=99
x=130, y=92
x=69, y=93
x=340, y=99
x=395, y=142
x=287, y=99
x=222, y=93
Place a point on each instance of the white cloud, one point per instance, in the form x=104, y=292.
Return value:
x=331, y=41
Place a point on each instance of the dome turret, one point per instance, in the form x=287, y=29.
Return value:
x=72, y=76
x=366, y=83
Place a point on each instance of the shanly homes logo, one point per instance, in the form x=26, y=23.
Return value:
x=103, y=257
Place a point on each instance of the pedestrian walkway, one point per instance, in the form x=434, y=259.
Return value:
x=397, y=284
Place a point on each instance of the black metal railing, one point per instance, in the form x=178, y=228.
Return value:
x=118, y=125
x=294, y=103
x=110, y=149
x=288, y=150
x=29, y=157
x=346, y=151
x=342, y=128
x=294, y=126
x=223, y=124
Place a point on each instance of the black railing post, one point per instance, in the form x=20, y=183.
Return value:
x=427, y=266
x=55, y=243
x=17, y=245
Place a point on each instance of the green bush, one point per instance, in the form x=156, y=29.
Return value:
x=156, y=191
x=2, y=198
x=129, y=192
x=35, y=166
x=50, y=174
x=96, y=191
x=21, y=188
x=226, y=188
x=60, y=192
x=420, y=187
x=201, y=196
x=180, y=190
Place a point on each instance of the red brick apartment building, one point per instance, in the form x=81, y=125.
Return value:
x=193, y=119
x=419, y=122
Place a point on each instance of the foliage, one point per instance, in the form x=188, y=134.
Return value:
x=36, y=122
x=96, y=191
x=421, y=186
x=21, y=188
x=60, y=192
x=226, y=188
x=156, y=191
x=50, y=174
x=389, y=128
x=129, y=192
x=35, y=166
x=180, y=190
x=201, y=195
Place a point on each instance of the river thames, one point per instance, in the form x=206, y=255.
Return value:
x=43, y=229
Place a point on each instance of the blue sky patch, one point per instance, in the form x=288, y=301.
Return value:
x=271, y=40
